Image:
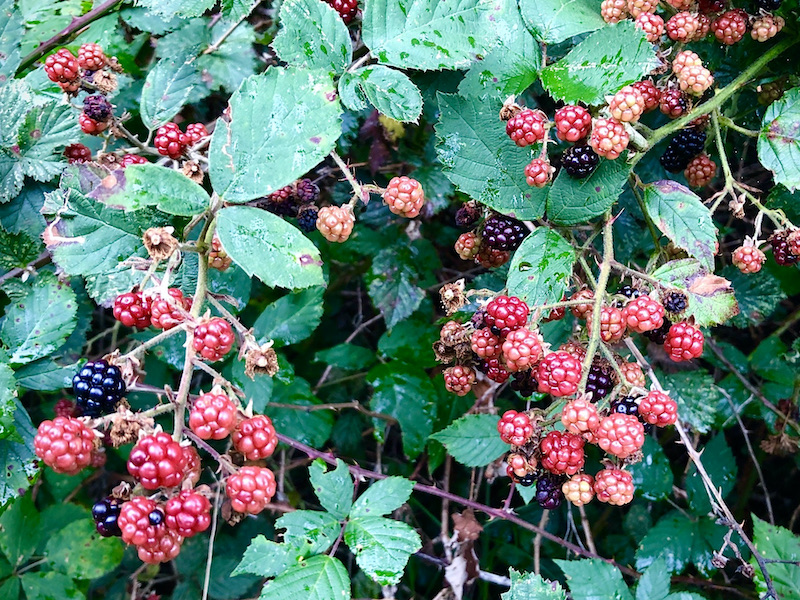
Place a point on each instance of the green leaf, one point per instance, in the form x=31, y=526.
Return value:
x=318, y=578
x=391, y=92
x=679, y=541
x=18, y=464
x=266, y=558
x=11, y=32
x=80, y=552
x=16, y=99
x=473, y=440
x=683, y=218
x=780, y=544
x=403, y=392
x=20, y=525
x=168, y=190
x=721, y=467
x=23, y=213
x=167, y=88
x=779, y=142
x=38, y=323
x=311, y=428
x=428, y=34
x=553, y=21
x=47, y=586
x=652, y=476
x=571, y=201
x=286, y=258
x=290, y=319
x=183, y=8
x=696, y=395
x=393, y=279
x=594, y=579
x=382, y=547
x=541, y=268
x=313, y=35
x=310, y=531
x=480, y=159
x=654, y=582
x=711, y=298
x=333, y=488
x=530, y=586
x=271, y=138
x=382, y=497
x=8, y=405
x=348, y=357
x=604, y=62
x=18, y=249
x=758, y=295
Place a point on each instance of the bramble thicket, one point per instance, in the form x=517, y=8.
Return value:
x=431, y=299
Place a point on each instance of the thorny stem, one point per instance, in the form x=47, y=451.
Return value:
x=359, y=62
x=587, y=530
x=713, y=492
x=215, y=46
x=599, y=297
x=359, y=192
x=153, y=341
x=617, y=266
x=650, y=226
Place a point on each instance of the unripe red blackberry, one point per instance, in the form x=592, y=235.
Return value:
x=627, y=105
x=748, y=258
x=335, y=223
x=168, y=313
x=485, y=344
x=579, y=489
x=467, y=245
x=682, y=26
x=166, y=548
x=194, y=133
x=609, y=138
x=613, y=11
x=539, y=172
x=135, y=523
x=188, y=513
x=562, y=453
x=695, y=80
x=504, y=314
x=494, y=370
x=658, y=409
x=614, y=486
x=62, y=66
x=612, y=324
x=217, y=257
x=404, y=196
x=641, y=7
x=490, y=258
x=132, y=159
x=652, y=25
x=503, y=233
x=459, y=379
x=77, y=153
x=521, y=468
x=714, y=6
x=766, y=27
x=704, y=26
x=89, y=126
x=643, y=314
x=132, y=310
x=347, y=9
x=527, y=127
x=157, y=461
x=91, y=57
x=580, y=311
x=620, y=435
x=632, y=374
x=580, y=417
x=579, y=161
x=213, y=339
x=650, y=93
x=192, y=472
x=255, y=438
x=730, y=26
x=685, y=58
x=684, y=342
x=64, y=444
x=213, y=416
x=169, y=141
x=250, y=489
x=521, y=349
x=674, y=103
x=65, y=408
x=515, y=428
x=574, y=348
x=700, y=171
x=572, y=123
x=558, y=374
x=782, y=249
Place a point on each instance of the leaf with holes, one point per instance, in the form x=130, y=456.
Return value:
x=541, y=268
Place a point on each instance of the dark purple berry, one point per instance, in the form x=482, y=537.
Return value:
x=659, y=336
x=601, y=380
x=627, y=405
x=525, y=383
x=307, y=191
x=675, y=302
x=97, y=108
x=503, y=233
x=528, y=480
x=548, y=491
x=782, y=250
x=307, y=218
x=579, y=161
x=156, y=517
x=282, y=202
x=468, y=215
x=98, y=388
x=105, y=513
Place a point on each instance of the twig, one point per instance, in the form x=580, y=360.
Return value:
x=154, y=341
x=355, y=404
x=500, y=580
x=212, y=536
x=349, y=339
x=587, y=530
x=358, y=190
x=215, y=46
x=537, y=542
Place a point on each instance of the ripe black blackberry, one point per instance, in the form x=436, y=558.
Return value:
x=629, y=291
x=600, y=380
x=468, y=214
x=781, y=249
x=769, y=5
x=682, y=148
x=675, y=302
x=98, y=388
x=97, y=108
x=528, y=480
x=105, y=513
x=503, y=233
x=674, y=160
x=525, y=383
x=659, y=336
x=548, y=491
x=627, y=405
x=306, y=191
x=307, y=218
x=579, y=161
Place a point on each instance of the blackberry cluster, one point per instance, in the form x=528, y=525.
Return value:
x=548, y=491
x=105, y=513
x=579, y=161
x=98, y=388
x=525, y=383
x=600, y=381
x=682, y=148
x=97, y=108
x=503, y=233
x=659, y=336
x=307, y=218
x=675, y=302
